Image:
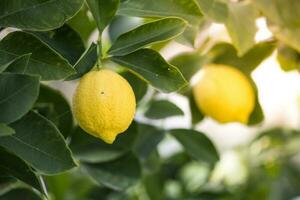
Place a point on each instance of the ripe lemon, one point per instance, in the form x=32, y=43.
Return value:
x=225, y=94
x=104, y=104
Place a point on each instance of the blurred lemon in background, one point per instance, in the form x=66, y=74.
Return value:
x=224, y=94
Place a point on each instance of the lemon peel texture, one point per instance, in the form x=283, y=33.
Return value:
x=224, y=94
x=104, y=104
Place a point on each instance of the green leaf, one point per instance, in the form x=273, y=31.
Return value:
x=288, y=58
x=139, y=87
x=37, y=15
x=43, y=61
x=151, y=66
x=18, y=93
x=225, y=53
x=86, y=62
x=103, y=11
x=90, y=149
x=185, y=9
x=119, y=174
x=64, y=41
x=83, y=23
x=148, y=139
x=160, y=109
x=238, y=17
x=188, y=63
x=146, y=34
x=40, y=144
x=241, y=26
x=59, y=109
x=214, y=9
x=19, y=64
x=283, y=19
x=20, y=193
x=11, y=165
x=257, y=114
x=197, y=145
x=122, y=24
x=6, y=130
x=196, y=114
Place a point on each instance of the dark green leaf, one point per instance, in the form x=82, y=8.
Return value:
x=18, y=93
x=154, y=185
x=139, y=87
x=103, y=11
x=151, y=66
x=64, y=41
x=93, y=150
x=160, y=109
x=39, y=143
x=186, y=9
x=188, y=63
x=197, y=145
x=118, y=174
x=11, y=165
x=147, y=140
x=86, y=62
x=288, y=58
x=59, y=109
x=196, y=114
x=146, y=34
x=83, y=23
x=225, y=53
x=19, y=64
x=43, y=61
x=257, y=114
x=20, y=193
x=37, y=15
x=6, y=130
x=122, y=24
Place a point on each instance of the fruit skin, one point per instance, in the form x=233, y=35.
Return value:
x=225, y=94
x=104, y=104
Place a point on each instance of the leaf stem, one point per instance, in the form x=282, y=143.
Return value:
x=42, y=182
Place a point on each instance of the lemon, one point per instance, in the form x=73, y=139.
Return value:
x=104, y=104
x=225, y=94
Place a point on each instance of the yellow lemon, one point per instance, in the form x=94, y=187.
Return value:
x=225, y=94
x=104, y=104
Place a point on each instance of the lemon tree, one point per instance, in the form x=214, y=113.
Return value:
x=82, y=99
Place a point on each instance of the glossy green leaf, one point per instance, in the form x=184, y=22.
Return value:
x=225, y=53
x=43, y=61
x=103, y=11
x=283, y=19
x=20, y=193
x=186, y=9
x=86, y=62
x=160, y=109
x=148, y=139
x=122, y=24
x=119, y=174
x=6, y=130
x=139, y=87
x=147, y=34
x=59, y=110
x=40, y=144
x=90, y=149
x=83, y=23
x=37, y=15
x=188, y=63
x=288, y=58
x=197, y=145
x=64, y=41
x=18, y=93
x=11, y=165
x=151, y=66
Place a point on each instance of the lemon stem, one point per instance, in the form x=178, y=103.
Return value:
x=99, y=52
